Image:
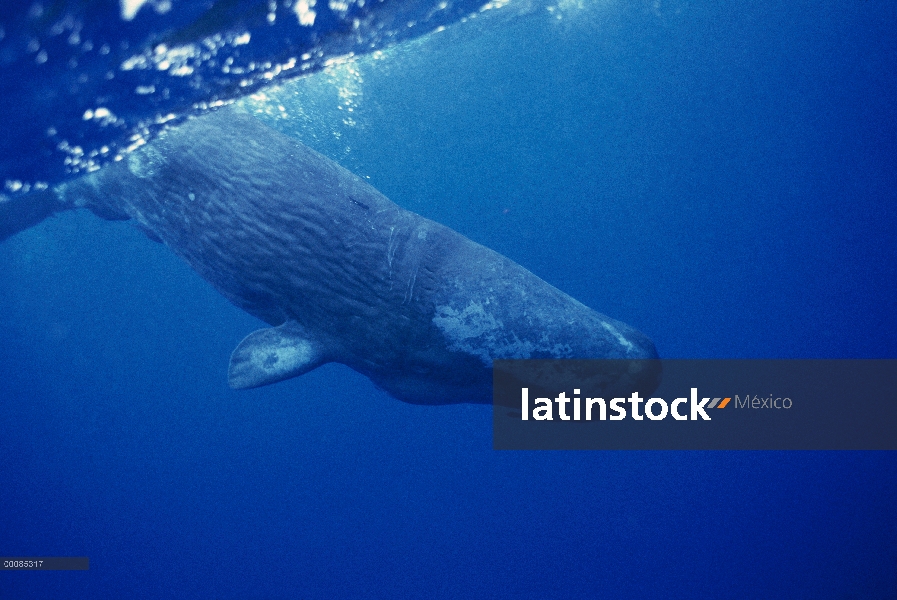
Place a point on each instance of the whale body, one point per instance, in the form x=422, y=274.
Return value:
x=339, y=272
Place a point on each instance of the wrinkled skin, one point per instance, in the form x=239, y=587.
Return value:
x=341, y=272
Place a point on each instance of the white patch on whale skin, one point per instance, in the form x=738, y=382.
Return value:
x=144, y=163
x=282, y=358
x=620, y=338
x=471, y=322
x=473, y=330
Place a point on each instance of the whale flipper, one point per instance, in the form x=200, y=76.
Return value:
x=273, y=354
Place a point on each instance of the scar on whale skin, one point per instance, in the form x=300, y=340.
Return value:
x=338, y=271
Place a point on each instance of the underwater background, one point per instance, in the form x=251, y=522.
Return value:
x=721, y=176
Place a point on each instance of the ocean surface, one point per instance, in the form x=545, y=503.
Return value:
x=721, y=176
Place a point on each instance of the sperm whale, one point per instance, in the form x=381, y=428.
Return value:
x=339, y=272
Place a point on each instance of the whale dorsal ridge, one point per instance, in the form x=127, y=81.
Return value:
x=271, y=355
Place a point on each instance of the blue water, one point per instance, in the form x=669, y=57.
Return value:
x=83, y=80
x=723, y=178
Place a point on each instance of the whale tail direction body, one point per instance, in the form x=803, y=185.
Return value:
x=341, y=273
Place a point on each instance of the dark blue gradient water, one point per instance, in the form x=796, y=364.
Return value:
x=721, y=177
